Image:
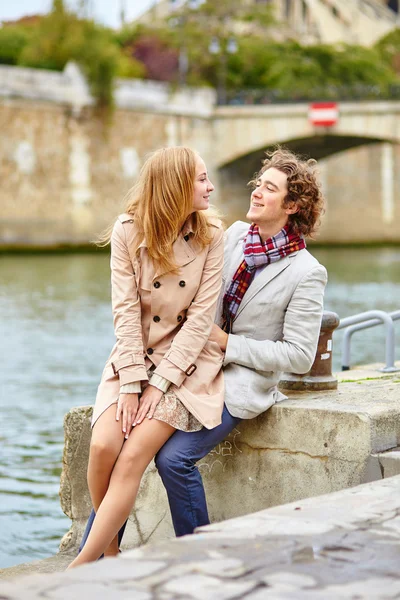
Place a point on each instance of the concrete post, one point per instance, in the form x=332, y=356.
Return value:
x=320, y=375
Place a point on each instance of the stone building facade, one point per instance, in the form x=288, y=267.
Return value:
x=311, y=21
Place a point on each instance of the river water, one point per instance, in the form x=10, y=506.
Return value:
x=56, y=333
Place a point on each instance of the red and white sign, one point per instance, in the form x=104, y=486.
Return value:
x=323, y=114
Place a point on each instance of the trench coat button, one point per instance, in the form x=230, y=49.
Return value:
x=180, y=318
x=150, y=350
x=182, y=283
x=156, y=319
x=186, y=238
x=157, y=284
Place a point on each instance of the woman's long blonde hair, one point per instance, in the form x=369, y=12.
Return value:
x=161, y=201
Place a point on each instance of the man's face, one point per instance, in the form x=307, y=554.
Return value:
x=266, y=201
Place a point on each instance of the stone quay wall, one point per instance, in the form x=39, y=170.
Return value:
x=65, y=170
x=313, y=443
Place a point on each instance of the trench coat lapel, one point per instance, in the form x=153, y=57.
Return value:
x=183, y=254
x=269, y=273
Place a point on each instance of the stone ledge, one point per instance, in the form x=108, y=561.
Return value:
x=54, y=564
x=389, y=462
x=342, y=545
x=308, y=445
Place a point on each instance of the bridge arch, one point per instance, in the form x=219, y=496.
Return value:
x=316, y=146
x=240, y=131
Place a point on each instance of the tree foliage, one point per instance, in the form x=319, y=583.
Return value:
x=195, y=44
x=389, y=49
x=61, y=36
x=286, y=70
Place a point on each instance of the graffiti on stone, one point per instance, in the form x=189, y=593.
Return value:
x=226, y=450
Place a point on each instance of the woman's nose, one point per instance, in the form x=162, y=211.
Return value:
x=210, y=186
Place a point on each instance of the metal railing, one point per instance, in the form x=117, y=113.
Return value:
x=337, y=93
x=366, y=320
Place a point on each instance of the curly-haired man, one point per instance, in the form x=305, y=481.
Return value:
x=268, y=319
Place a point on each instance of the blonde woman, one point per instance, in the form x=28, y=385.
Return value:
x=163, y=374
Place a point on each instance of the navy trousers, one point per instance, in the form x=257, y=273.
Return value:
x=176, y=464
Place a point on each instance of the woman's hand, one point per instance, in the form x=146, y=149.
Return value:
x=219, y=336
x=127, y=408
x=148, y=403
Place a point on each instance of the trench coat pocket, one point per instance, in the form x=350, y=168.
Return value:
x=213, y=348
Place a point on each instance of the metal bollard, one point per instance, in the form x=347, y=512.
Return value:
x=320, y=375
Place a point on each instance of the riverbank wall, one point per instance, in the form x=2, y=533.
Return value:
x=311, y=444
x=65, y=169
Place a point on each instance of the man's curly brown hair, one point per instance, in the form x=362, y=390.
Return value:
x=303, y=189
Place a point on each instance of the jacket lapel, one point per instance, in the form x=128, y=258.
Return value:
x=269, y=273
x=235, y=258
x=183, y=254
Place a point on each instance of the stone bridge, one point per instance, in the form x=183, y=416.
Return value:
x=65, y=172
x=240, y=131
x=358, y=154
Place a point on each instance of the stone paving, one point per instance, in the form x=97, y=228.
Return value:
x=341, y=545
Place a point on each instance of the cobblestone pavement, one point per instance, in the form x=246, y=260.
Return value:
x=342, y=545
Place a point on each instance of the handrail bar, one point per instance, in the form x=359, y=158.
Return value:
x=363, y=321
x=364, y=316
x=395, y=316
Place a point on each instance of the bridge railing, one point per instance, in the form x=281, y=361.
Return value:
x=357, y=93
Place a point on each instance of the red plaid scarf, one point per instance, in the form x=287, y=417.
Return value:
x=256, y=254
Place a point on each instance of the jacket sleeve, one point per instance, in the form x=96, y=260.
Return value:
x=130, y=364
x=296, y=352
x=192, y=337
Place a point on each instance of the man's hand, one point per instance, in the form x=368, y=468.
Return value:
x=127, y=407
x=219, y=336
x=148, y=403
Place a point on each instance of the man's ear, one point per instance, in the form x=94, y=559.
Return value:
x=291, y=208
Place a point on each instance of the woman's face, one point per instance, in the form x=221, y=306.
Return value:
x=202, y=187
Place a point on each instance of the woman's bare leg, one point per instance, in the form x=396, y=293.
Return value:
x=105, y=446
x=138, y=451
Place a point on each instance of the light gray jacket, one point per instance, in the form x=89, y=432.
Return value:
x=276, y=328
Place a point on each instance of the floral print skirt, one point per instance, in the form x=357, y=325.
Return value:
x=171, y=410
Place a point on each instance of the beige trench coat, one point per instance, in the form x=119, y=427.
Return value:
x=165, y=319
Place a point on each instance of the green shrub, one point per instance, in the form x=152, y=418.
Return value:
x=13, y=39
x=61, y=36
